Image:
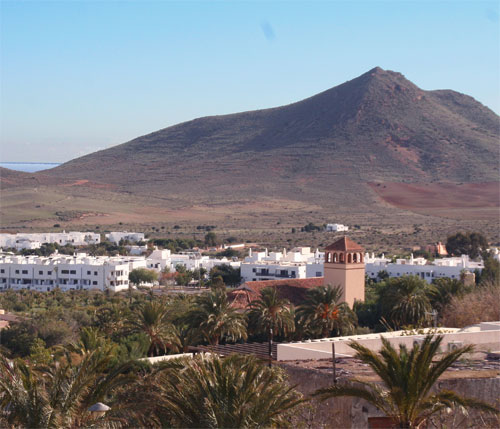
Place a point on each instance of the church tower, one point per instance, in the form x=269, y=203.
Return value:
x=345, y=267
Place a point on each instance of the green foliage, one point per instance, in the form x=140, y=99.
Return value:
x=310, y=227
x=19, y=338
x=57, y=395
x=270, y=312
x=468, y=243
x=39, y=354
x=408, y=376
x=213, y=317
x=405, y=301
x=211, y=239
x=322, y=312
x=183, y=276
x=142, y=275
x=444, y=290
x=234, y=392
x=175, y=244
x=151, y=319
x=230, y=276
x=228, y=253
x=490, y=272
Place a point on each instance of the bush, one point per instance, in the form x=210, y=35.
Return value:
x=482, y=305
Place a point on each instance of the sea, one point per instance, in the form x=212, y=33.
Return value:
x=29, y=167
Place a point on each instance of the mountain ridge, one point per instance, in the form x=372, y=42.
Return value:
x=329, y=150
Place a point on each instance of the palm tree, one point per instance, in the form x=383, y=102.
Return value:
x=323, y=312
x=215, y=319
x=151, y=318
x=408, y=301
x=235, y=392
x=90, y=339
x=444, y=290
x=405, y=394
x=58, y=395
x=271, y=314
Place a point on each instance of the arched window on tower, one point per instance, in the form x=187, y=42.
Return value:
x=349, y=258
x=341, y=259
x=335, y=257
x=354, y=257
x=328, y=257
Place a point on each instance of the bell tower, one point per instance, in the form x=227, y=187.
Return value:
x=345, y=267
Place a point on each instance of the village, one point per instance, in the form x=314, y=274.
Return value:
x=82, y=271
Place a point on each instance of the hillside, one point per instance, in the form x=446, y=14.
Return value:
x=329, y=151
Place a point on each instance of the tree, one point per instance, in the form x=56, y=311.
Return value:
x=182, y=275
x=406, y=394
x=491, y=271
x=151, y=318
x=271, y=312
x=142, y=275
x=58, y=395
x=234, y=392
x=211, y=239
x=405, y=301
x=215, y=319
x=444, y=290
x=468, y=243
x=322, y=312
x=230, y=276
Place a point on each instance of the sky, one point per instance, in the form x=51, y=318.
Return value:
x=76, y=77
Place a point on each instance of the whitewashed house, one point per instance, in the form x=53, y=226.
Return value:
x=299, y=263
x=427, y=270
x=34, y=241
x=336, y=227
x=117, y=236
x=79, y=272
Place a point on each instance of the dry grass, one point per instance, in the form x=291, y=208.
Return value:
x=482, y=305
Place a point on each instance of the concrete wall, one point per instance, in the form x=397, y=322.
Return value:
x=320, y=349
x=348, y=412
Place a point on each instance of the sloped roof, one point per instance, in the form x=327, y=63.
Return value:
x=292, y=289
x=345, y=244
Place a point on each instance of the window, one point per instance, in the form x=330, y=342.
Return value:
x=95, y=273
x=89, y=272
x=40, y=272
x=65, y=272
x=25, y=271
x=254, y=270
x=94, y=282
x=72, y=272
x=49, y=272
x=17, y=271
x=2, y=271
x=318, y=273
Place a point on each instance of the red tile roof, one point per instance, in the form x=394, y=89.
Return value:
x=292, y=289
x=9, y=317
x=345, y=244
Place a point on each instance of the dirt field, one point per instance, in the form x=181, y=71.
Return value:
x=459, y=201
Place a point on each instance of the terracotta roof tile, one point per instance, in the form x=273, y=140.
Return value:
x=292, y=289
x=345, y=244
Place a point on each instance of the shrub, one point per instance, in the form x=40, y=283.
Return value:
x=482, y=305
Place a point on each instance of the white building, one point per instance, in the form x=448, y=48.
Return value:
x=160, y=259
x=427, y=270
x=336, y=227
x=299, y=263
x=117, y=236
x=65, y=272
x=34, y=241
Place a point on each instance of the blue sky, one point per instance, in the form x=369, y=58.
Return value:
x=81, y=76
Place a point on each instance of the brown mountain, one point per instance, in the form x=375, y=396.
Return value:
x=330, y=150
